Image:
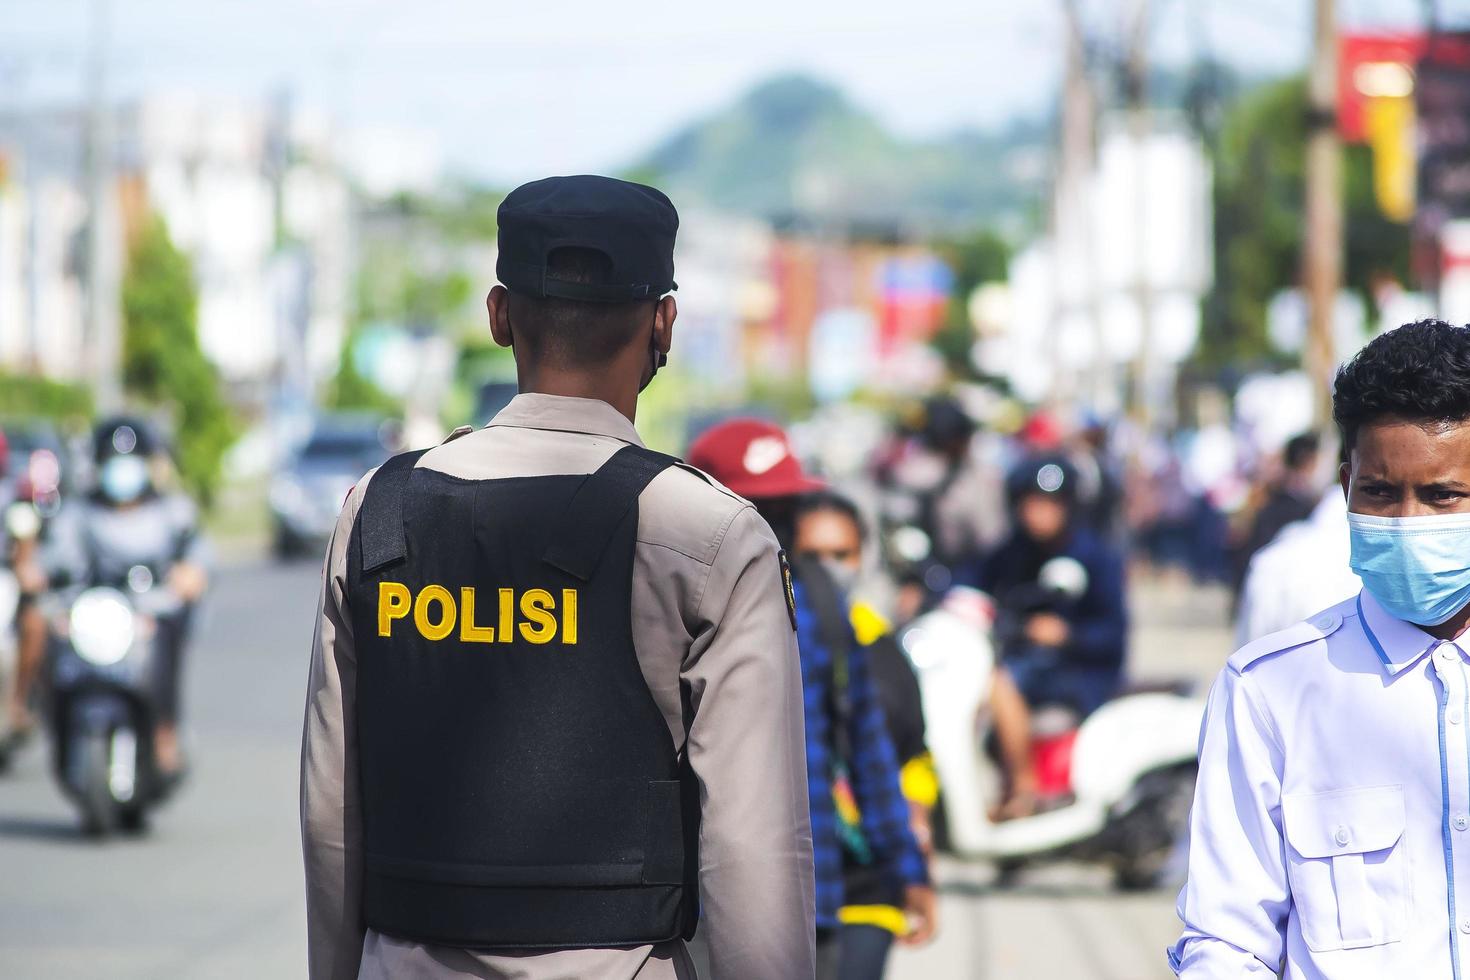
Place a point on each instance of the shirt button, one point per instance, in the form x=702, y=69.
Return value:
x=1447, y=652
x=1454, y=716
x=1465, y=925
x=1342, y=837
x=1461, y=822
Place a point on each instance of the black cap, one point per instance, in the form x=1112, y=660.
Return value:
x=1048, y=474
x=631, y=224
x=123, y=435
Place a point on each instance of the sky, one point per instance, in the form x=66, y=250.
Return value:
x=509, y=91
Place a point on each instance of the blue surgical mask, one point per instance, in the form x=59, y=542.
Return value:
x=1418, y=568
x=123, y=479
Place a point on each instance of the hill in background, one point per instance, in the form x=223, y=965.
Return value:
x=795, y=148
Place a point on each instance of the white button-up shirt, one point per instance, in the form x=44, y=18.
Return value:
x=1330, y=835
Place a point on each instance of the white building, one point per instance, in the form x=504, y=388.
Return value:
x=251, y=193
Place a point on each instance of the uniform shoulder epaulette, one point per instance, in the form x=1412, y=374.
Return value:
x=1319, y=627
x=459, y=430
x=714, y=484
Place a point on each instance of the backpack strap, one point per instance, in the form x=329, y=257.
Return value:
x=598, y=508
x=380, y=521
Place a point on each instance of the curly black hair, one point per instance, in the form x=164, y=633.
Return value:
x=1419, y=372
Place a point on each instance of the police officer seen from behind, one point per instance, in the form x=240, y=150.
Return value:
x=555, y=706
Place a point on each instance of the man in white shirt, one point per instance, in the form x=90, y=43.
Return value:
x=1331, y=826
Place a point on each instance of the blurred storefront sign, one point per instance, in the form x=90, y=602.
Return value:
x=1441, y=228
x=1407, y=96
x=1375, y=97
x=842, y=353
x=1443, y=104
x=913, y=295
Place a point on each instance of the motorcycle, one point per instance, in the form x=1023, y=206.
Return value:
x=102, y=660
x=1116, y=789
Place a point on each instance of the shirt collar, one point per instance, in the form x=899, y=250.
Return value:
x=1398, y=644
x=562, y=413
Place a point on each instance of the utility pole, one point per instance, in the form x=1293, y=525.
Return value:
x=101, y=340
x=1073, y=210
x=1322, y=265
x=1135, y=75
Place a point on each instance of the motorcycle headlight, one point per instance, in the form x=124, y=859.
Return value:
x=911, y=544
x=22, y=520
x=102, y=627
x=925, y=650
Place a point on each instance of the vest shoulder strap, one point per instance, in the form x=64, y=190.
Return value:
x=380, y=521
x=599, y=506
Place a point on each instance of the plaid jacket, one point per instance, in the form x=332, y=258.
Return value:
x=873, y=772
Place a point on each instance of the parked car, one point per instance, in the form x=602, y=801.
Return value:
x=308, y=492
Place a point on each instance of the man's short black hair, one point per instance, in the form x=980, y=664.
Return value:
x=1419, y=372
x=1301, y=450
x=572, y=333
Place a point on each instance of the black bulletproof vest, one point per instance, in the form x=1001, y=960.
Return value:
x=519, y=786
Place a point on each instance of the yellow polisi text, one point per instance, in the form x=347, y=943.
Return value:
x=436, y=613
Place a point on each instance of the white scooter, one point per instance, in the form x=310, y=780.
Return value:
x=1124, y=801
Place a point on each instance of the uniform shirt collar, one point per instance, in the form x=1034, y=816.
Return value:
x=563, y=413
x=1398, y=644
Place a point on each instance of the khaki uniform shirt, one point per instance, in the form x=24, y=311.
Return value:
x=712, y=632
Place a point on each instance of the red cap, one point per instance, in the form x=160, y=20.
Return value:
x=752, y=458
x=1042, y=431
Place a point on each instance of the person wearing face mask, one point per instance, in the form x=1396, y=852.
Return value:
x=859, y=815
x=1063, y=649
x=1330, y=835
x=130, y=520
x=829, y=529
x=554, y=707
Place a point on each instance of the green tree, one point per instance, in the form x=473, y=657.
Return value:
x=25, y=396
x=1259, y=201
x=350, y=391
x=163, y=365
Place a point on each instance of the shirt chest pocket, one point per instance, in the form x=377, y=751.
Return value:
x=1347, y=866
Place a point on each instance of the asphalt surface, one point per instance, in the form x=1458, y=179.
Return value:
x=213, y=890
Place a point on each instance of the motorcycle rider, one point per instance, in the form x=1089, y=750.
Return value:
x=130, y=520
x=1066, y=651
x=942, y=481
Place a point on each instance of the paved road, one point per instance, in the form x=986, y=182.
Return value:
x=215, y=890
